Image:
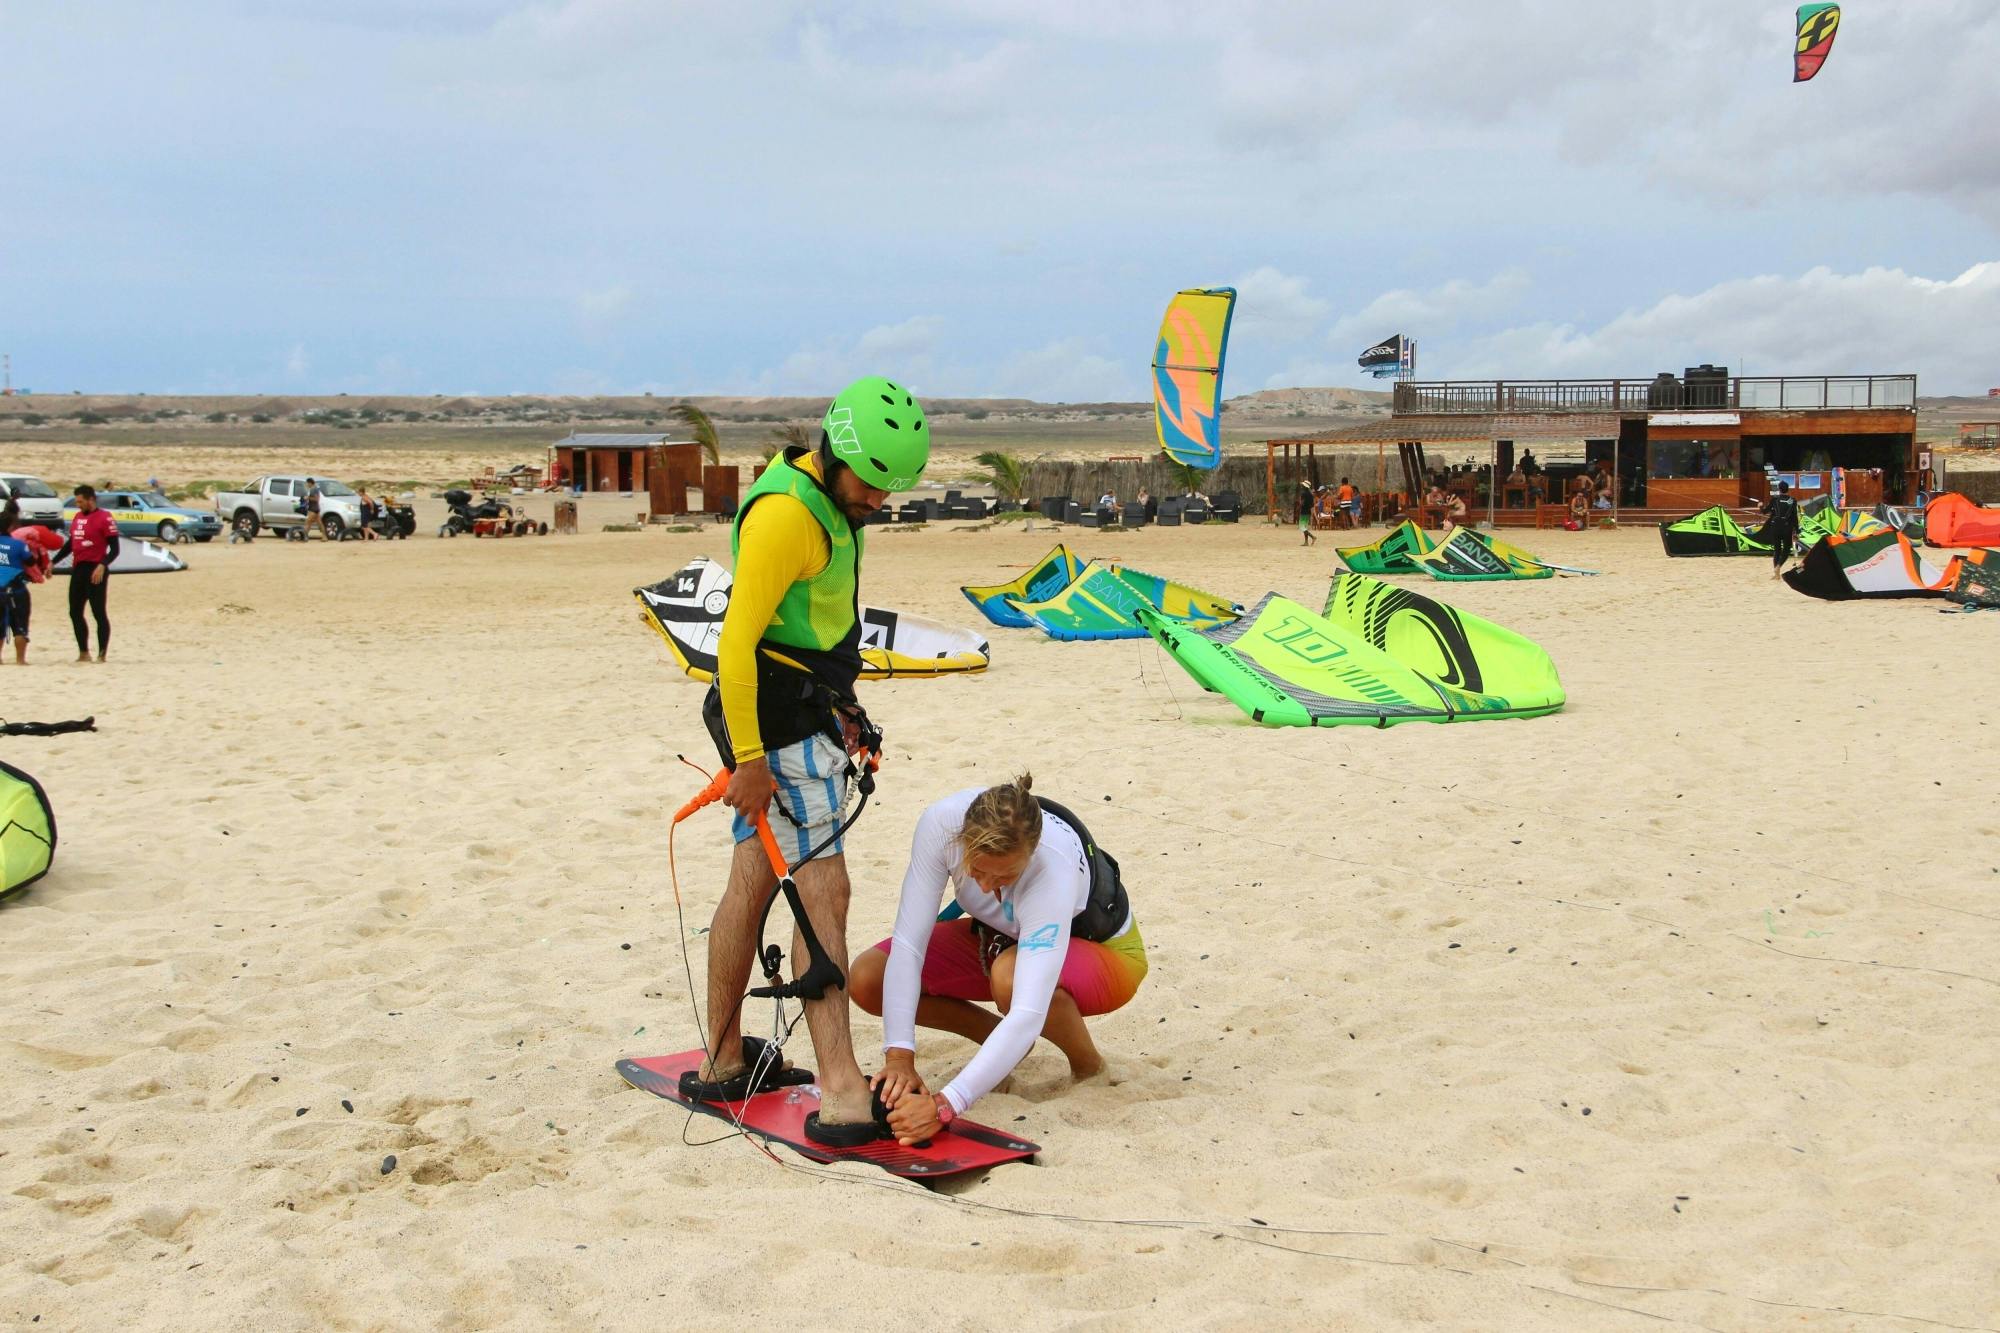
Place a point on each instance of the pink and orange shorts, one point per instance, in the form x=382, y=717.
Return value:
x=1100, y=977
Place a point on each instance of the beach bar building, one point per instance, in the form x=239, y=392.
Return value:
x=1675, y=443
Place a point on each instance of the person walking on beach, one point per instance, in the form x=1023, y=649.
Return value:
x=1308, y=501
x=92, y=545
x=1043, y=931
x=786, y=663
x=1781, y=527
x=311, y=504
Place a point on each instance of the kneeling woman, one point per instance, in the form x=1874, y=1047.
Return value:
x=1047, y=936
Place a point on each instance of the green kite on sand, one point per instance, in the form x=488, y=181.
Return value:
x=27, y=830
x=1818, y=520
x=1044, y=579
x=1377, y=656
x=1714, y=531
x=1101, y=601
x=1468, y=555
x=1396, y=553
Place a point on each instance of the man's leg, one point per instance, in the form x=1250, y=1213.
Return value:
x=823, y=888
x=98, y=593
x=732, y=947
x=79, y=593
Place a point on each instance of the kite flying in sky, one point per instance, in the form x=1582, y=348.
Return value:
x=1817, y=24
x=1187, y=374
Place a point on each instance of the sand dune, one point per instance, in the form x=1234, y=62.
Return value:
x=1674, y=1006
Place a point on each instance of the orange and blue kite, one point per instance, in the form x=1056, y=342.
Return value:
x=1187, y=374
x=1817, y=25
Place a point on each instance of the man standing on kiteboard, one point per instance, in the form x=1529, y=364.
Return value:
x=788, y=657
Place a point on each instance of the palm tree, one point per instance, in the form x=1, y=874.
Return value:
x=701, y=427
x=1186, y=475
x=1005, y=473
x=787, y=436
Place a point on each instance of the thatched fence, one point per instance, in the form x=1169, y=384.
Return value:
x=1244, y=474
x=1979, y=485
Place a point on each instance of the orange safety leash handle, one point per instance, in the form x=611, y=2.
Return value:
x=708, y=795
x=713, y=792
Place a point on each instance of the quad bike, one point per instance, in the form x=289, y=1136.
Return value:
x=489, y=518
x=393, y=521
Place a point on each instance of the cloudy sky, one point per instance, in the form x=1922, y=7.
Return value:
x=985, y=196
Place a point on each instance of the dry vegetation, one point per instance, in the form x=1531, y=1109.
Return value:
x=194, y=444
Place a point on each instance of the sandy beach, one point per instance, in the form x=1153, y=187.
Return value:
x=1675, y=1007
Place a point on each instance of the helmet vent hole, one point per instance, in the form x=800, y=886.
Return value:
x=891, y=423
x=887, y=399
x=919, y=426
x=880, y=466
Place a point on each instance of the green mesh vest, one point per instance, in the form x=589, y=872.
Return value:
x=818, y=621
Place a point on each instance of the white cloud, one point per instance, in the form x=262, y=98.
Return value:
x=917, y=352
x=1422, y=314
x=1439, y=309
x=1880, y=320
x=1064, y=371
x=296, y=362
x=1275, y=305
x=907, y=352
x=920, y=80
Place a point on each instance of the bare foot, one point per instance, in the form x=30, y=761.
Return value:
x=845, y=1109
x=1088, y=1067
x=713, y=1073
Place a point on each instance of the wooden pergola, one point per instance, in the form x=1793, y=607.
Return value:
x=1489, y=429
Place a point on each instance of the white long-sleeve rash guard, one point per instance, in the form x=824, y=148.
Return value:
x=1036, y=910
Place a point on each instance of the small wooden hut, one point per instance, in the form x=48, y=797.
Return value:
x=652, y=465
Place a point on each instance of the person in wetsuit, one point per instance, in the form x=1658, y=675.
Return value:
x=786, y=663
x=1781, y=527
x=1046, y=935
x=92, y=544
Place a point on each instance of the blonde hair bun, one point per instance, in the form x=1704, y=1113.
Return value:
x=1002, y=820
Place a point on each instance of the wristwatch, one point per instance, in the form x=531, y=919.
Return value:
x=945, y=1112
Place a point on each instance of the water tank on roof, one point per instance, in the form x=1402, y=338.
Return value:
x=1705, y=386
x=1665, y=391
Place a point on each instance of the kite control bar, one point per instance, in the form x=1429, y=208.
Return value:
x=821, y=971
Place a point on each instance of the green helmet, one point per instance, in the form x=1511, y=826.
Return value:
x=878, y=430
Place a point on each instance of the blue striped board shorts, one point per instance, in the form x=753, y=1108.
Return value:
x=812, y=794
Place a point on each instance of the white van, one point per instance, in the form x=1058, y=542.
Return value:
x=38, y=500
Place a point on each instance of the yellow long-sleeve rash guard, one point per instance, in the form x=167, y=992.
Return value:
x=781, y=543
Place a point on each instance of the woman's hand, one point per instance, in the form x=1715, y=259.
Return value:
x=97, y=575
x=899, y=1077
x=914, y=1120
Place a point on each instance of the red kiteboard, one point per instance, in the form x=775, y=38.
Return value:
x=780, y=1117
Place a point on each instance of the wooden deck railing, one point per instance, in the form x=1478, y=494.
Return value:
x=1739, y=393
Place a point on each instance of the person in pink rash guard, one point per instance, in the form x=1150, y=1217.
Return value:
x=92, y=545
